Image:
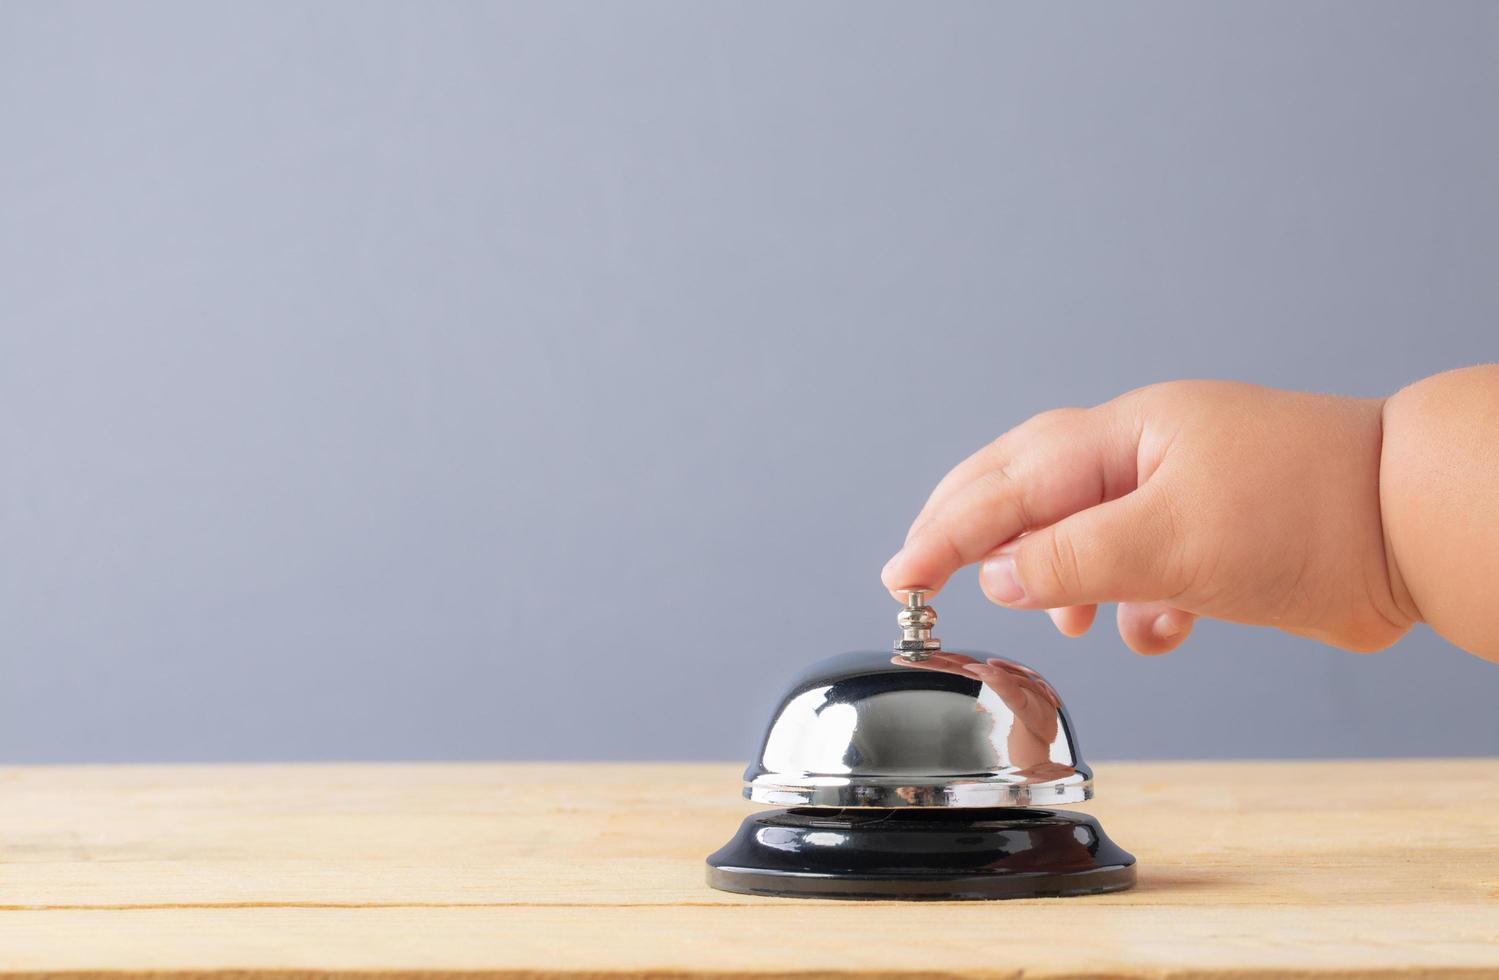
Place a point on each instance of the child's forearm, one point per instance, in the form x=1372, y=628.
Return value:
x=1439, y=498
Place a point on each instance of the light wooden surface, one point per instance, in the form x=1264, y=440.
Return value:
x=418, y=870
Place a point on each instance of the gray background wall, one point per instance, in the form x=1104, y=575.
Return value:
x=552, y=380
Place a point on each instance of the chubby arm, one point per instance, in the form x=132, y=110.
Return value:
x=1439, y=495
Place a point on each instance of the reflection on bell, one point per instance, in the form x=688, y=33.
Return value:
x=924, y=774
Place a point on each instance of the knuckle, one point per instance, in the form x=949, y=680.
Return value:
x=1063, y=572
x=937, y=530
x=1004, y=487
x=1055, y=415
x=1039, y=425
x=1173, y=563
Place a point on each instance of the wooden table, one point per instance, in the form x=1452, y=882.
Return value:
x=522, y=870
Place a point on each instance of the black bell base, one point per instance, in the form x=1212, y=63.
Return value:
x=920, y=854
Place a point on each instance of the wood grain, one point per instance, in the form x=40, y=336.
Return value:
x=518, y=870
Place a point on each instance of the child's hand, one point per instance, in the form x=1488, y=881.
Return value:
x=1177, y=500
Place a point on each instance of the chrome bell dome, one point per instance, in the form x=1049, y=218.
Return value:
x=921, y=728
x=871, y=730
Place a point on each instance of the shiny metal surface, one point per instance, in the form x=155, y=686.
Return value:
x=870, y=729
x=916, y=621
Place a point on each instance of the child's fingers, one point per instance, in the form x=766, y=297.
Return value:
x=1073, y=620
x=1076, y=462
x=1120, y=551
x=994, y=456
x=1153, y=627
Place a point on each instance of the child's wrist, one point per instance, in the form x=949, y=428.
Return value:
x=1392, y=475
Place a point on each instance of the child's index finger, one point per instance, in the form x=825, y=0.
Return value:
x=1073, y=464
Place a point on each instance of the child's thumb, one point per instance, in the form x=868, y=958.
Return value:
x=1120, y=551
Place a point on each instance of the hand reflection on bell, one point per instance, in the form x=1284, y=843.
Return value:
x=1031, y=701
